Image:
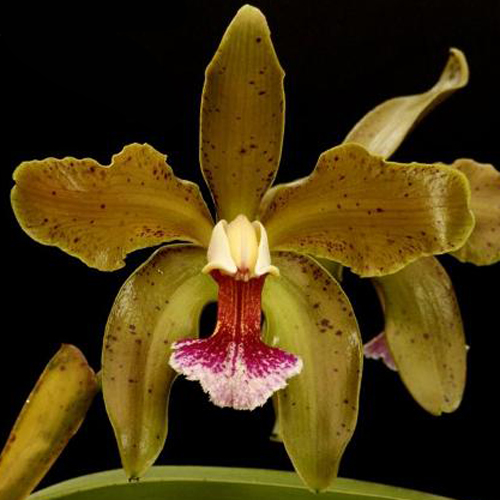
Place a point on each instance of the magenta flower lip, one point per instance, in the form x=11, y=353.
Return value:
x=234, y=366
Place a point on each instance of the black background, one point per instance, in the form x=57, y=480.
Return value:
x=76, y=92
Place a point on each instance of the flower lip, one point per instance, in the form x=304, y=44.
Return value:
x=240, y=249
x=378, y=348
x=234, y=366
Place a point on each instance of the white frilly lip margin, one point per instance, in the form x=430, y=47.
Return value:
x=229, y=377
x=227, y=254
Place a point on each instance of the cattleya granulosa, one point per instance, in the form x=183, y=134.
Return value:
x=355, y=208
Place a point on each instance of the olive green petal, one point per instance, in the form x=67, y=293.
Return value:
x=368, y=214
x=483, y=246
x=384, y=128
x=159, y=304
x=334, y=268
x=276, y=430
x=100, y=213
x=242, y=116
x=52, y=414
x=424, y=333
x=309, y=315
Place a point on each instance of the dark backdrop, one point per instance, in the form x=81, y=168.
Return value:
x=73, y=91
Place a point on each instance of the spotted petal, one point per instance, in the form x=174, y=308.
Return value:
x=308, y=314
x=483, y=246
x=100, y=213
x=424, y=333
x=383, y=129
x=51, y=415
x=158, y=305
x=371, y=215
x=242, y=116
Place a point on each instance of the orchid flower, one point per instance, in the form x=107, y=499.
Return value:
x=423, y=337
x=354, y=208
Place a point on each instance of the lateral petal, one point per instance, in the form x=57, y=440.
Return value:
x=308, y=314
x=101, y=213
x=383, y=129
x=483, y=246
x=424, y=332
x=242, y=116
x=368, y=214
x=158, y=305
